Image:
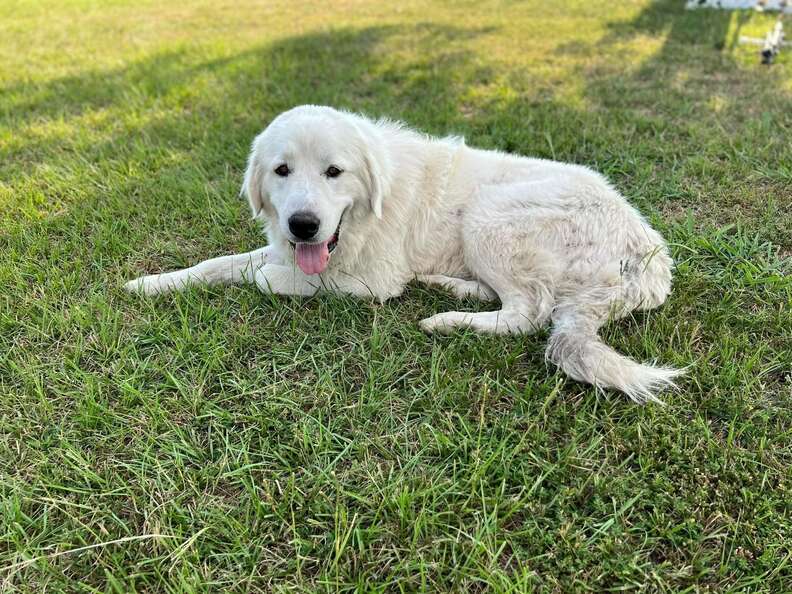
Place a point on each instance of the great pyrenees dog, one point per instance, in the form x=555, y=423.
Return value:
x=364, y=207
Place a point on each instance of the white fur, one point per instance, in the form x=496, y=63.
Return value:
x=554, y=242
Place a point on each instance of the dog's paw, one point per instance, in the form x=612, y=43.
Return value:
x=145, y=285
x=437, y=324
x=426, y=325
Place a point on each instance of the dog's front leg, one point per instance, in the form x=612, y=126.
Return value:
x=234, y=269
x=289, y=280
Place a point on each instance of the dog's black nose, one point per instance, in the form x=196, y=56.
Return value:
x=303, y=225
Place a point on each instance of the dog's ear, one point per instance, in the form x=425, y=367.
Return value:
x=377, y=167
x=378, y=183
x=251, y=186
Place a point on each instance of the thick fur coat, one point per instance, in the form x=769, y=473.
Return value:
x=362, y=207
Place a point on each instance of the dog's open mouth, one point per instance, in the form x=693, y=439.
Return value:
x=312, y=258
x=333, y=242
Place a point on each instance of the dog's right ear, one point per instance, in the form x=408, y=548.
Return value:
x=251, y=186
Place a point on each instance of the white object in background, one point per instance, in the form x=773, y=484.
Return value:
x=771, y=44
x=742, y=4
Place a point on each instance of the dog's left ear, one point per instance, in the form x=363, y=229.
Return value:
x=378, y=168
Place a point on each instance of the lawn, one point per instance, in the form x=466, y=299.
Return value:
x=224, y=440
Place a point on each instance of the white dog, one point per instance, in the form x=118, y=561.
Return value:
x=361, y=207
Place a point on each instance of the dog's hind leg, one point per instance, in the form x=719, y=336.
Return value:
x=490, y=322
x=527, y=303
x=461, y=288
x=507, y=249
x=525, y=310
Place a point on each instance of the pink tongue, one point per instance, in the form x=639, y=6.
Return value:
x=312, y=257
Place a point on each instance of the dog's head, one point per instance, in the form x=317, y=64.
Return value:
x=309, y=170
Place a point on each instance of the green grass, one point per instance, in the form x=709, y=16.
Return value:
x=224, y=440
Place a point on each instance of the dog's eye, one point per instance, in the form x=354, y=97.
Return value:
x=282, y=170
x=333, y=171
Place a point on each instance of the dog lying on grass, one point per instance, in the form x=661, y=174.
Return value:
x=361, y=207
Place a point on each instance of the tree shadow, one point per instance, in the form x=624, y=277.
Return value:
x=315, y=66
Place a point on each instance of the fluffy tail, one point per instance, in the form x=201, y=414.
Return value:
x=577, y=349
